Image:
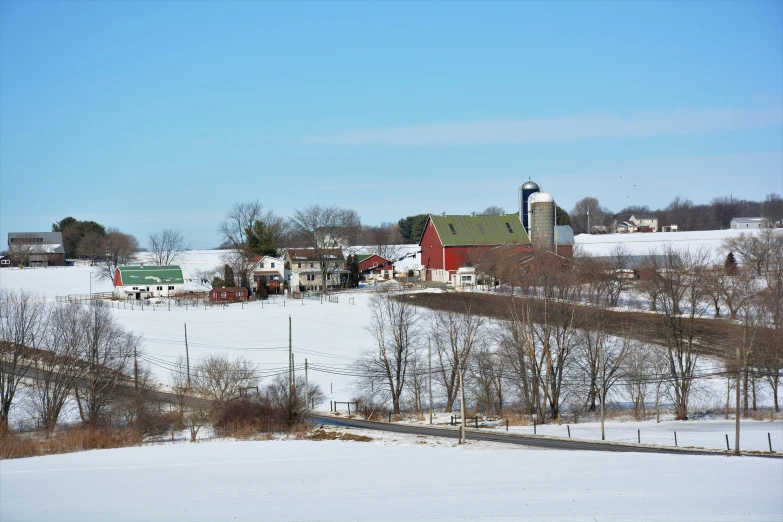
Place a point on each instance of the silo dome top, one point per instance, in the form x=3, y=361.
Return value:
x=541, y=197
x=530, y=185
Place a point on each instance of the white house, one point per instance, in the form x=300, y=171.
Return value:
x=141, y=282
x=637, y=223
x=749, y=223
x=465, y=276
x=267, y=270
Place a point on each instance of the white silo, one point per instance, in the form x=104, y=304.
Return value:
x=542, y=220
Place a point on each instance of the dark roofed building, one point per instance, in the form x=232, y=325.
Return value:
x=36, y=248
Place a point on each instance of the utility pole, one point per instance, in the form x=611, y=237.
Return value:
x=603, y=393
x=462, y=407
x=429, y=350
x=307, y=390
x=737, y=414
x=187, y=354
x=135, y=371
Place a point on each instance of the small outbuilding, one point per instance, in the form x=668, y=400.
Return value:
x=228, y=294
x=750, y=223
x=373, y=266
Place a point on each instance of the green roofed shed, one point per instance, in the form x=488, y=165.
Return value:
x=147, y=275
x=480, y=230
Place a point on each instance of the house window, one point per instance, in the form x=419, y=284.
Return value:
x=239, y=294
x=508, y=226
x=336, y=265
x=299, y=265
x=467, y=278
x=451, y=227
x=261, y=265
x=148, y=289
x=223, y=295
x=135, y=287
x=171, y=288
x=311, y=277
x=311, y=265
x=272, y=265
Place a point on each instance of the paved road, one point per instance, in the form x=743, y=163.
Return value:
x=523, y=440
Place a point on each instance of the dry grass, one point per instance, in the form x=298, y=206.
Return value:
x=13, y=445
x=336, y=435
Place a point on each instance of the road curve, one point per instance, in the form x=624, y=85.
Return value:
x=522, y=440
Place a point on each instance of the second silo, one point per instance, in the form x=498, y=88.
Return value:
x=542, y=220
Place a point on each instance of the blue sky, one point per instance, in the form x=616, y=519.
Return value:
x=145, y=115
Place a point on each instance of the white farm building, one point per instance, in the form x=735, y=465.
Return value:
x=141, y=282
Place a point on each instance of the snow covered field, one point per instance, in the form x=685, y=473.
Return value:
x=304, y=480
x=646, y=243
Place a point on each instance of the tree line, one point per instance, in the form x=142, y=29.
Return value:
x=554, y=340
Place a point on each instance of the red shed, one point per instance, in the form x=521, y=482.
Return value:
x=373, y=264
x=232, y=293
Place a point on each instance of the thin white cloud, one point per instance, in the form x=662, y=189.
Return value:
x=581, y=127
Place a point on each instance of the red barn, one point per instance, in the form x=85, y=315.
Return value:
x=232, y=293
x=374, y=265
x=450, y=242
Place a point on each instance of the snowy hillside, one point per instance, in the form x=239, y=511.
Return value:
x=641, y=244
x=305, y=480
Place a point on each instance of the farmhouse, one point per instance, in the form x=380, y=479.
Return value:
x=305, y=271
x=36, y=248
x=636, y=223
x=141, y=282
x=373, y=266
x=450, y=242
x=268, y=271
x=749, y=223
x=232, y=293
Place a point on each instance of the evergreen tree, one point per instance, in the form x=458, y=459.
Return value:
x=562, y=217
x=730, y=265
x=228, y=276
x=353, y=267
x=263, y=291
x=412, y=227
x=217, y=282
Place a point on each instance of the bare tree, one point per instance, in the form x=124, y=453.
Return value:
x=772, y=207
x=167, y=247
x=219, y=378
x=22, y=322
x=680, y=279
x=107, y=351
x=756, y=249
x=589, y=210
x=91, y=246
x=58, y=367
x=723, y=208
x=235, y=230
x=396, y=334
x=119, y=250
x=492, y=210
x=324, y=229
x=455, y=335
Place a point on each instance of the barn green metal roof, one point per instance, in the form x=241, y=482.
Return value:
x=480, y=230
x=362, y=257
x=147, y=275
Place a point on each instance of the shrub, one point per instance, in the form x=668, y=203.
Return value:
x=244, y=417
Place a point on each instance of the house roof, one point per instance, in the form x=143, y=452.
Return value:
x=479, y=230
x=749, y=219
x=51, y=242
x=645, y=216
x=309, y=254
x=149, y=275
x=564, y=235
x=363, y=257
x=230, y=289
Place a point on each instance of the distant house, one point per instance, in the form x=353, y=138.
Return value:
x=5, y=261
x=305, y=272
x=626, y=223
x=36, y=248
x=141, y=282
x=373, y=266
x=269, y=271
x=228, y=294
x=750, y=223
